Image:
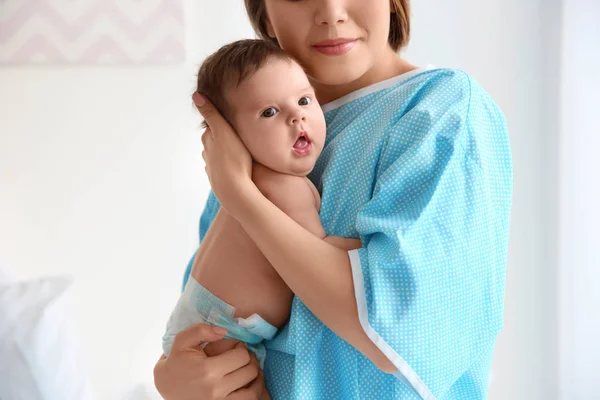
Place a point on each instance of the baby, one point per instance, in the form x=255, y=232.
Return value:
x=268, y=100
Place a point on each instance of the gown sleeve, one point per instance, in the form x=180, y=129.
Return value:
x=429, y=279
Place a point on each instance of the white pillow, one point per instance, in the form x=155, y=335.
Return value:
x=6, y=275
x=39, y=352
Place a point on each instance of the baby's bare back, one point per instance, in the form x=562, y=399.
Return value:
x=232, y=267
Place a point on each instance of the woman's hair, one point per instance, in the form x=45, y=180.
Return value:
x=232, y=64
x=399, y=22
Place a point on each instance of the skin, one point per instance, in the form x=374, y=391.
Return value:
x=298, y=25
x=277, y=102
x=270, y=109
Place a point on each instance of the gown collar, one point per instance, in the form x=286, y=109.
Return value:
x=375, y=87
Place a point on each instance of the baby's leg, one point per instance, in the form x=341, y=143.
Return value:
x=233, y=285
x=197, y=305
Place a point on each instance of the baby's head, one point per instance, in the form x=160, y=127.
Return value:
x=267, y=98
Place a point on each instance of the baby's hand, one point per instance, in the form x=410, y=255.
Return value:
x=343, y=243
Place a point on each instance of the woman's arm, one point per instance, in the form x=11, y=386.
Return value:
x=435, y=238
x=318, y=273
x=315, y=269
x=345, y=244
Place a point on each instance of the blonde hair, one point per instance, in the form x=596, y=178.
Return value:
x=399, y=22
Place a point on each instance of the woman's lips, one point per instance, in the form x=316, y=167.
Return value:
x=335, y=47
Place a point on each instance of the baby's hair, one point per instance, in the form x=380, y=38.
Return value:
x=232, y=64
x=399, y=22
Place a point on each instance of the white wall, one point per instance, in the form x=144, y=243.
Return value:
x=580, y=198
x=101, y=176
x=508, y=47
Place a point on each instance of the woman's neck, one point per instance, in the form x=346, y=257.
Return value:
x=392, y=66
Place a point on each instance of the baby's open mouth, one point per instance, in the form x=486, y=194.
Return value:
x=302, y=141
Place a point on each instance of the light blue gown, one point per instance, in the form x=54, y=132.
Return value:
x=419, y=168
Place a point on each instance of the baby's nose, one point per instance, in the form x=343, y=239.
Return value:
x=297, y=118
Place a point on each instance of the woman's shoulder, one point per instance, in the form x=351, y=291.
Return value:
x=442, y=83
x=444, y=75
x=438, y=103
x=428, y=81
x=457, y=81
x=441, y=89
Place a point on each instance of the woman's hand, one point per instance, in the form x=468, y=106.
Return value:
x=343, y=243
x=228, y=161
x=189, y=374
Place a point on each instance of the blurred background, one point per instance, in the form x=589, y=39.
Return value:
x=102, y=179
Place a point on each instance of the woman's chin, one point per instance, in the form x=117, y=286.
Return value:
x=337, y=77
x=341, y=72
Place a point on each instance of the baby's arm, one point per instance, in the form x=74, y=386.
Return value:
x=337, y=241
x=299, y=199
x=292, y=195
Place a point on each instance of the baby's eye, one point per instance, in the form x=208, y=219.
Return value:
x=304, y=101
x=269, y=112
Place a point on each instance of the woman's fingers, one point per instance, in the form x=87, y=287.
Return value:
x=229, y=361
x=255, y=390
x=209, y=112
x=195, y=335
x=206, y=135
x=240, y=378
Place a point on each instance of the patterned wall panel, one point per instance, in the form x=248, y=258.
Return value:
x=91, y=31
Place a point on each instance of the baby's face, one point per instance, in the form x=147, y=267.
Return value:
x=277, y=116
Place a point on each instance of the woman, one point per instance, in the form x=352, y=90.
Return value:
x=417, y=166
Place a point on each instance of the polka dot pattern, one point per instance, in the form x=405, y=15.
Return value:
x=421, y=172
